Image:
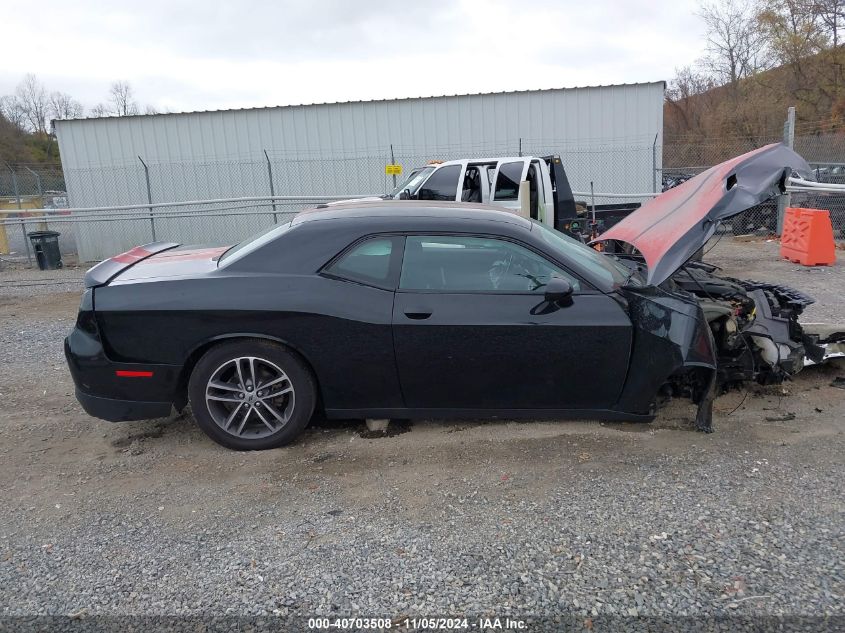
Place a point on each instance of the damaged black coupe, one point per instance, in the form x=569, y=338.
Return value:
x=418, y=309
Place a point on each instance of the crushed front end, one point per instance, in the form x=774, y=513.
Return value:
x=754, y=324
x=705, y=334
x=673, y=353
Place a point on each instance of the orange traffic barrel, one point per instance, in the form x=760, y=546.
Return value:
x=807, y=237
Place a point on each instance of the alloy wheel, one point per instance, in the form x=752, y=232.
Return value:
x=250, y=397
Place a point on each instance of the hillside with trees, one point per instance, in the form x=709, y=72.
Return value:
x=761, y=57
x=26, y=135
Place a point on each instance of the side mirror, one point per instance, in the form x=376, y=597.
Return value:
x=405, y=194
x=558, y=290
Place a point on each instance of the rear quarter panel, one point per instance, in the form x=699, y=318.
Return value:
x=340, y=328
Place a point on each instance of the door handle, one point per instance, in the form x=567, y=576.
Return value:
x=417, y=314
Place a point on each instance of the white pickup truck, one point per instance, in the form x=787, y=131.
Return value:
x=494, y=181
x=497, y=181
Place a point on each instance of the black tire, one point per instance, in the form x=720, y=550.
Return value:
x=296, y=407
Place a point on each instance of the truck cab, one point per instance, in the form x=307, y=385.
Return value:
x=490, y=181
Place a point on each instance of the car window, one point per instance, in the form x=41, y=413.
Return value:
x=603, y=265
x=507, y=183
x=253, y=243
x=442, y=185
x=412, y=182
x=475, y=264
x=367, y=262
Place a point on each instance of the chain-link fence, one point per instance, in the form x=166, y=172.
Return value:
x=625, y=165
x=32, y=186
x=684, y=158
x=28, y=181
x=620, y=166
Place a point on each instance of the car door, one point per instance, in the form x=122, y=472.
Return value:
x=509, y=173
x=351, y=340
x=472, y=330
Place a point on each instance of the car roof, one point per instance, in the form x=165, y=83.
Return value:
x=412, y=208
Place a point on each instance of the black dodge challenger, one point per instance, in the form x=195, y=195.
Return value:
x=415, y=309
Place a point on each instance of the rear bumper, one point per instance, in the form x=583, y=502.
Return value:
x=121, y=410
x=105, y=394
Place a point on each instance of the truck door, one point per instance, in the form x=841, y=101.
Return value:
x=545, y=195
x=443, y=183
x=487, y=172
x=509, y=173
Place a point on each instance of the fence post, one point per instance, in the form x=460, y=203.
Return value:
x=272, y=187
x=149, y=197
x=654, y=165
x=789, y=140
x=23, y=222
x=26, y=240
x=15, y=186
x=520, y=146
x=37, y=179
x=42, y=226
x=393, y=162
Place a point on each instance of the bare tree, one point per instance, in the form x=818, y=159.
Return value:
x=794, y=30
x=832, y=16
x=100, y=110
x=122, y=99
x=33, y=98
x=63, y=106
x=736, y=48
x=150, y=109
x=12, y=110
x=687, y=100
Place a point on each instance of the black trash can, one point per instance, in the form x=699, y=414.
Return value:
x=46, y=247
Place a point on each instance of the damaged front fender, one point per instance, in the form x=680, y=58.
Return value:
x=672, y=348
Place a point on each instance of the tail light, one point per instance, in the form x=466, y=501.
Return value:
x=85, y=320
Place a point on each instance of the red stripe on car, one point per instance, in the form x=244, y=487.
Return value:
x=131, y=256
x=122, y=373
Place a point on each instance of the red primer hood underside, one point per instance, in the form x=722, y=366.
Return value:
x=670, y=228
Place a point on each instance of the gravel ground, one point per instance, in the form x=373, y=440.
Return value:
x=759, y=259
x=583, y=520
x=19, y=281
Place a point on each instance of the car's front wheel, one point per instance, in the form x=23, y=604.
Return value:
x=251, y=394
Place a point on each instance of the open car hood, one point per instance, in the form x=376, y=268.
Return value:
x=670, y=228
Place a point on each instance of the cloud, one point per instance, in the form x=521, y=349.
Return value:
x=211, y=55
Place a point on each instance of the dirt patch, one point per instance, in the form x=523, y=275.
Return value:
x=46, y=306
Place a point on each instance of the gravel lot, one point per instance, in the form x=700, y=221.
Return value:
x=536, y=519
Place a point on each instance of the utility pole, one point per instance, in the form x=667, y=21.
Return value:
x=789, y=140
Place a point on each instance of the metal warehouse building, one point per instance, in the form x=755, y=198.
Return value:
x=611, y=135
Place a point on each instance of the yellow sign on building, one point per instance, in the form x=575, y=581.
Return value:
x=393, y=170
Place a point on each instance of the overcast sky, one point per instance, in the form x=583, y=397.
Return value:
x=209, y=55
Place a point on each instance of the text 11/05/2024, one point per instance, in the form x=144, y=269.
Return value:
x=419, y=623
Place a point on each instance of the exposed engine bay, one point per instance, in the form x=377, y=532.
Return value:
x=756, y=335
x=751, y=328
x=755, y=327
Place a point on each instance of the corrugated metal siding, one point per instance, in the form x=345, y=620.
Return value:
x=604, y=134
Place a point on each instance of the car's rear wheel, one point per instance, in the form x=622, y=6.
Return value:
x=251, y=395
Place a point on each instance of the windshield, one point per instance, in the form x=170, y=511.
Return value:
x=251, y=243
x=605, y=266
x=413, y=181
